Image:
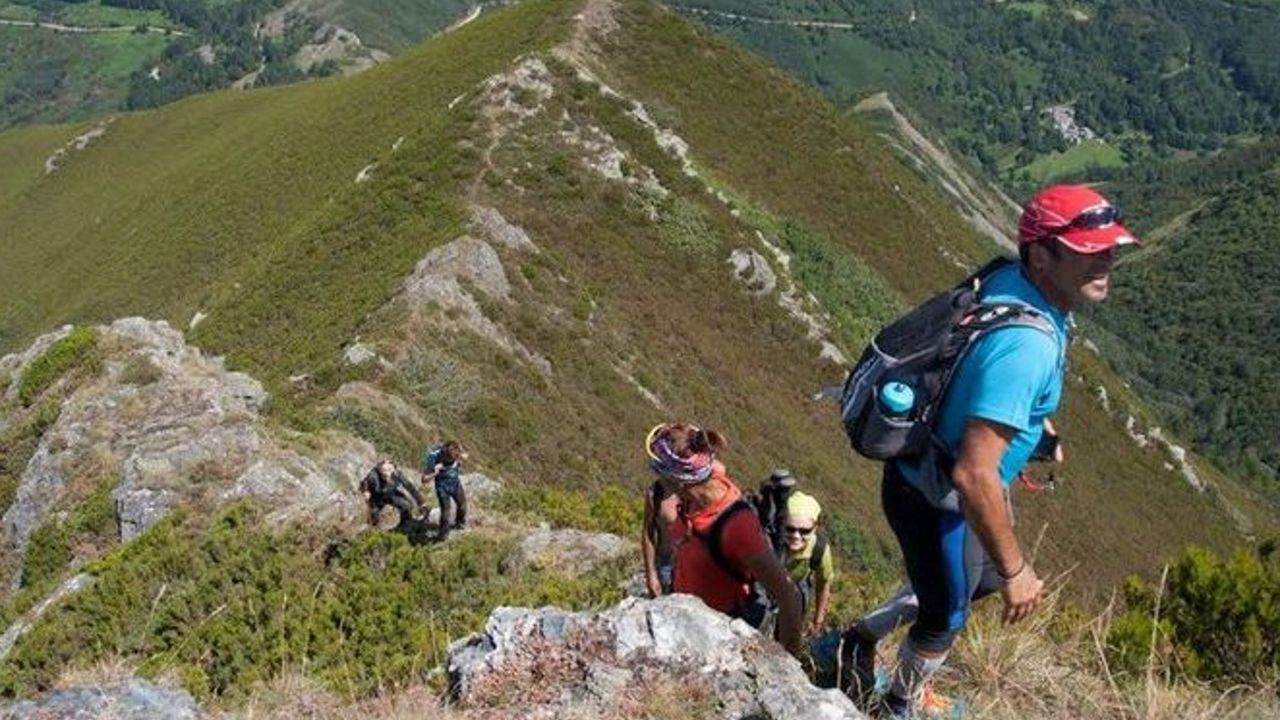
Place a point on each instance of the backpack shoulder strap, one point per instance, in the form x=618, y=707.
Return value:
x=819, y=550
x=982, y=273
x=713, y=540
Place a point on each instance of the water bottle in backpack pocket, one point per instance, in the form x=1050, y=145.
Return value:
x=893, y=392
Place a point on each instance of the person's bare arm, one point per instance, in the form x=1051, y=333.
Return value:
x=648, y=547
x=766, y=568
x=820, y=606
x=977, y=478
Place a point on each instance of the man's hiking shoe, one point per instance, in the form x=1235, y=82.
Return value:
x=892, y=707
x=859, y=669
x=933, y=706
x=936, y=706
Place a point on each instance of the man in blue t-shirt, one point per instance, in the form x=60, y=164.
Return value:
x=443, y=464
x=989, y=425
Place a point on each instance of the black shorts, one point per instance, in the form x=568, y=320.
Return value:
x=947, y=566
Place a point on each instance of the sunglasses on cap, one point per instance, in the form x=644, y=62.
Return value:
x=1094, y=218
x=792, y=529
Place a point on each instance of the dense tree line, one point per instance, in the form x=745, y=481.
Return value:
x=1147, y=75
x=237, y=51
x=1200, y=311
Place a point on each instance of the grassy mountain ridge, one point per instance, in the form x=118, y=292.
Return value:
x=236, y=218
x=246, y=207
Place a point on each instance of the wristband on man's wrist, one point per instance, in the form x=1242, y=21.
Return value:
x=1014, y=574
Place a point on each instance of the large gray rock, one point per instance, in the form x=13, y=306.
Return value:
x=440, y=288
x=133, y=699
x=175, y=426
x=549, y=662
x=489, y=224
x=566, y=551
x=753, y=270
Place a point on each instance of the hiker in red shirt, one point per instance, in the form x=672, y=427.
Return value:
x=719, y=547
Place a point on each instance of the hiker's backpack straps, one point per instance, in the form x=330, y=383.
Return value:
x=921, y=350
x=815, y=560
x=657, y=493
x=713, y=540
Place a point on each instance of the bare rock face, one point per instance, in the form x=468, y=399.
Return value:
x=175, y=426
x=441, y=284
x=467, y=259
x=489, y=224
x=133, y=699
x=752, y=269
x=566, y=551
x=546, y=663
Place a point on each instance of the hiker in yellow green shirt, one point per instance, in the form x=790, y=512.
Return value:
x=807, y=556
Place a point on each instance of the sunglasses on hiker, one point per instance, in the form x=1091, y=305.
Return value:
x=1095, y=218
x=793, y=530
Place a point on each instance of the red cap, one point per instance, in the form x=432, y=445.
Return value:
x=1078, y=216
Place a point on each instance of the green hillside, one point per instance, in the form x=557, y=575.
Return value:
x=1147, y=77
x=242, y=207
x=290, y=218
x=1197, y=308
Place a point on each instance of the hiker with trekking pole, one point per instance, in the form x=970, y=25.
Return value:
x=953, y=397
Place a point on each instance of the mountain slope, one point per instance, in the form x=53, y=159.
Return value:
x=548, y=230
x=245, y=207
x=1202, y=299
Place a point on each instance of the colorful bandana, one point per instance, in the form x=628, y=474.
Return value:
x=663, y=460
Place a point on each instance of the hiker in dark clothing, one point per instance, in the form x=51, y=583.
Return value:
x=771, y=506
x=385, y=485
x=443, y=464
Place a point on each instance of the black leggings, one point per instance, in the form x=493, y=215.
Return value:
x=399, y=500
x=451, y=494
x=947, y=566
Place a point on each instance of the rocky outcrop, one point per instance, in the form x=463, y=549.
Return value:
x=566, y=551
x=547, y=663
x=133, y=699
x=752, y=269
x=489, y=224
x=442, y=285
x=175, y=426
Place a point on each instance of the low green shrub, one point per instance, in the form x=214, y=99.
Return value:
x=226, y=603
x=611, y=509
x=683, y=224
x=77, y=351
x=1218, y=618
x=91, y=524
x=18, y=443
x=140, y=370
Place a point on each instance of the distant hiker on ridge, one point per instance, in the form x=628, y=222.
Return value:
x=385, y=485
x=443, y=465
x=720, y=549
x=948, y=470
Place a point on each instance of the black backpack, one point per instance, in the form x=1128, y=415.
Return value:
x=753, y=608
x=921, y=349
